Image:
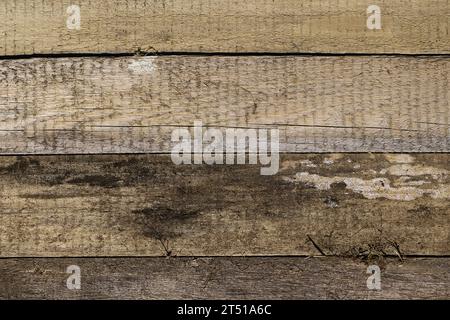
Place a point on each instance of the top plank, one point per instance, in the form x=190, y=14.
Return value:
x=225, y=26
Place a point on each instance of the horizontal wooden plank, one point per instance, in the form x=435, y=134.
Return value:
x=117, y=205
x=35, y=26
x=223, y=278
x=132, y=104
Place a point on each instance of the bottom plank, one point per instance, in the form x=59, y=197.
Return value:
x=223, y=278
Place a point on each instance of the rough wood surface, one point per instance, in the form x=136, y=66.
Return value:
x=223, y=278
x=132, y=104
x=117, y=205
x=35, y=26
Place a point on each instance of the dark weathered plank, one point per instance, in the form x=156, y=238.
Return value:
x=35, y=26
x=319, y=104
x=346, y=204
x=223, y=278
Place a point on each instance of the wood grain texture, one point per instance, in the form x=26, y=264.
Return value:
x=132, y=104
x=335, y=204
x=35, y=26
x=223, y=278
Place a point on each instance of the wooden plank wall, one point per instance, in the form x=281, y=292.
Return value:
x=86, y=176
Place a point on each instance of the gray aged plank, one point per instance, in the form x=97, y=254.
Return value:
x=35, y=26
x=223, y=278
x=132, y=104
x=117, y=205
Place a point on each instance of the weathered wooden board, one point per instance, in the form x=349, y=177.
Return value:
x=118, y=205
x=35, y=26
x=319, y=104
x=223, y=278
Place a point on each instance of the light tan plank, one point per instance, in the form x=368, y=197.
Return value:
x=338, y=26
x=341, y=204
x=223, y=278
x=319, y=104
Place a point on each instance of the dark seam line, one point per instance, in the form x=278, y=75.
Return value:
x=169, y=152
x=218, y=53
x=417, y=256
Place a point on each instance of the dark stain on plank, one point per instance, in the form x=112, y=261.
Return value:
x=161, y=222
x=106, y=181
x=48, y=196
x=20, y=166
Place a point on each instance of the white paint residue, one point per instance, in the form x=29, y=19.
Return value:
x=143, y=65
x=292, y=164
x=374, y=188
x=399, y=158
x=308, y=164
x=408, y=181
x=414, y=171
x=332, y=158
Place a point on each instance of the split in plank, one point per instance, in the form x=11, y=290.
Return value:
x=144, y=205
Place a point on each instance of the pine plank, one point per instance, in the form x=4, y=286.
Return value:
x=223, y=278
x=132, y=104
x=144, y=205
x=295, y=26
